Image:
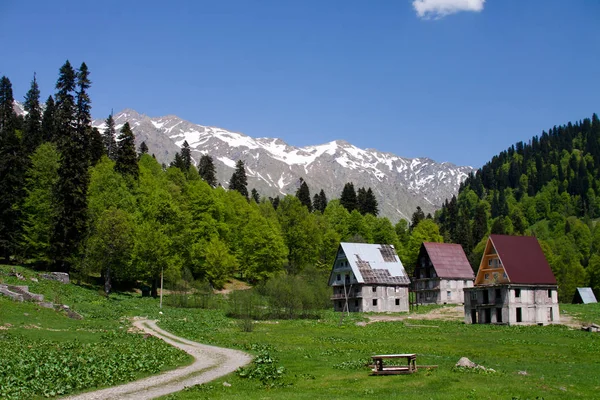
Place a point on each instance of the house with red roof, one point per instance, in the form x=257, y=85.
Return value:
x=368, y=277
x=441, y=274
x=514, y=285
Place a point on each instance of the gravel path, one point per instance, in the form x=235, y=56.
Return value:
x=210, y=362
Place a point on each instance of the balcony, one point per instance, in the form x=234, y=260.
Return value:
x=351, y=295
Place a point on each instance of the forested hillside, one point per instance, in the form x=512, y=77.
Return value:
x=549, y=188
x=86, y=202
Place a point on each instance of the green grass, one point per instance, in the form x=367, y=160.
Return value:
x=586, y=313
x=325, y=360
x=44, y=353
x=321, y=359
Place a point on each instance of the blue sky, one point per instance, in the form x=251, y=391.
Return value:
x=453, y=80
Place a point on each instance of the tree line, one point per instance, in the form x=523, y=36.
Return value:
x=88, y=202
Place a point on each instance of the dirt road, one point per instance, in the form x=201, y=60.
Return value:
x=210, y=363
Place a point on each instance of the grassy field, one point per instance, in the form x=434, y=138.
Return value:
x=44, y=353
x=323, y=359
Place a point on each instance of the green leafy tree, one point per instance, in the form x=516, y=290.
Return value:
x=206, y=169
x=127, y=161
x=239, y=181
x=110, y=246
x=426, y=231
x=219, y=263
x=299, y=232
x=38, y=211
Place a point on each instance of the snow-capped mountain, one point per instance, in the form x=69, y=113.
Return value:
x=274, y=167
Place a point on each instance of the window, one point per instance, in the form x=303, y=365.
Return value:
x=449, y=294
x=490, y=262
x=498, y=314
x=486, y=276
x=397, y=302
x=473, y=295
x=549, y=293
x=374, y=288
x=338, y=277
x=504, y=275
x=498, y=294
x=519, y=315
x=374, y=302
x=517, y=293
x=355, y=303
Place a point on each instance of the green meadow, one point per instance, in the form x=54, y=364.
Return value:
x=46, y=354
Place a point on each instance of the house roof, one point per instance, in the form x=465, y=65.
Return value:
x=586, y=294
x=449, y=260
x=375, y=263
x=523, y=259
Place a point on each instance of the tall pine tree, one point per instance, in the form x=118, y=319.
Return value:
x=11, y=172
x=186, y=156
x=206, y=169
x=108, y=138
x=48, y=121
x=348, y=198
x=127, y=161
x=303, y=194
x=239, y=181
x=32, y=137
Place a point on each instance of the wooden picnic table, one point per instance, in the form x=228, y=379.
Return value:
x=381, y=369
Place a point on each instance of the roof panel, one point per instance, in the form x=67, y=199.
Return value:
x=449, y=260
x=587, y=295
x=375, y=263
x=523, y=259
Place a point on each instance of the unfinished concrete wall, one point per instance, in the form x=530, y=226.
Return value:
x=385, y=298
x=441, y=291
x=513, y=305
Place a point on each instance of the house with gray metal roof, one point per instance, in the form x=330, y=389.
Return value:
x=514, y=285
x=368, y=277
x=584, y=295
x=441, y=274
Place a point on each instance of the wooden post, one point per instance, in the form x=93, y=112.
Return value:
x=161, y=286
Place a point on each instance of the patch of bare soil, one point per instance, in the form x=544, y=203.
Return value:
x=232, y=285
x=449, y=313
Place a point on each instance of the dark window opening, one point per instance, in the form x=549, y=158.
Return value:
x=355, y=303
x=488, y=315
x=338, y=277
x=498, y=294
x=374, y=302
x=549, y=293
x=397, y=302
x=517, y=292
x=498, y=314
x=486, y=297
x=473, y=316
x=519, y=315
x=374, y=288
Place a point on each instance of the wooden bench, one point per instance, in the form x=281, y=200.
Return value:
x=381, y=369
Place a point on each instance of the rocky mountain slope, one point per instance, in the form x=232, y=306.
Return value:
x=274, y=167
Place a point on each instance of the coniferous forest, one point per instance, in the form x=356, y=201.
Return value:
x=87, y=202
x=548, y=187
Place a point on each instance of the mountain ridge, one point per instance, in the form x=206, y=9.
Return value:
x=274, y=167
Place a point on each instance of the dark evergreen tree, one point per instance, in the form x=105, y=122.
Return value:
x=303, y=194
x=480, y=223
x=255, y=196
x=322, y=201
x=275, y=202
x=238, y=180
x=11, y=172
x=108, y=138
x=96, y=145
x=368, y=205
x=348, y=198
x=127, y=162
x=48, y=122
x=32, y=136
x=178, y=162
x=361, y=199
x=206, y=169
x=417, y=217
x=73, y=175
x=186, y=156
x=143, y=149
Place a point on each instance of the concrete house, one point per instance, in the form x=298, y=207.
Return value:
x=441, y=274
x=368, y=277
x=514, y=285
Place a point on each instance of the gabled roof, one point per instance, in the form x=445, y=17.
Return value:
x=375, y=263
x=584, y=295
x=449, y=260
x=523, y=259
